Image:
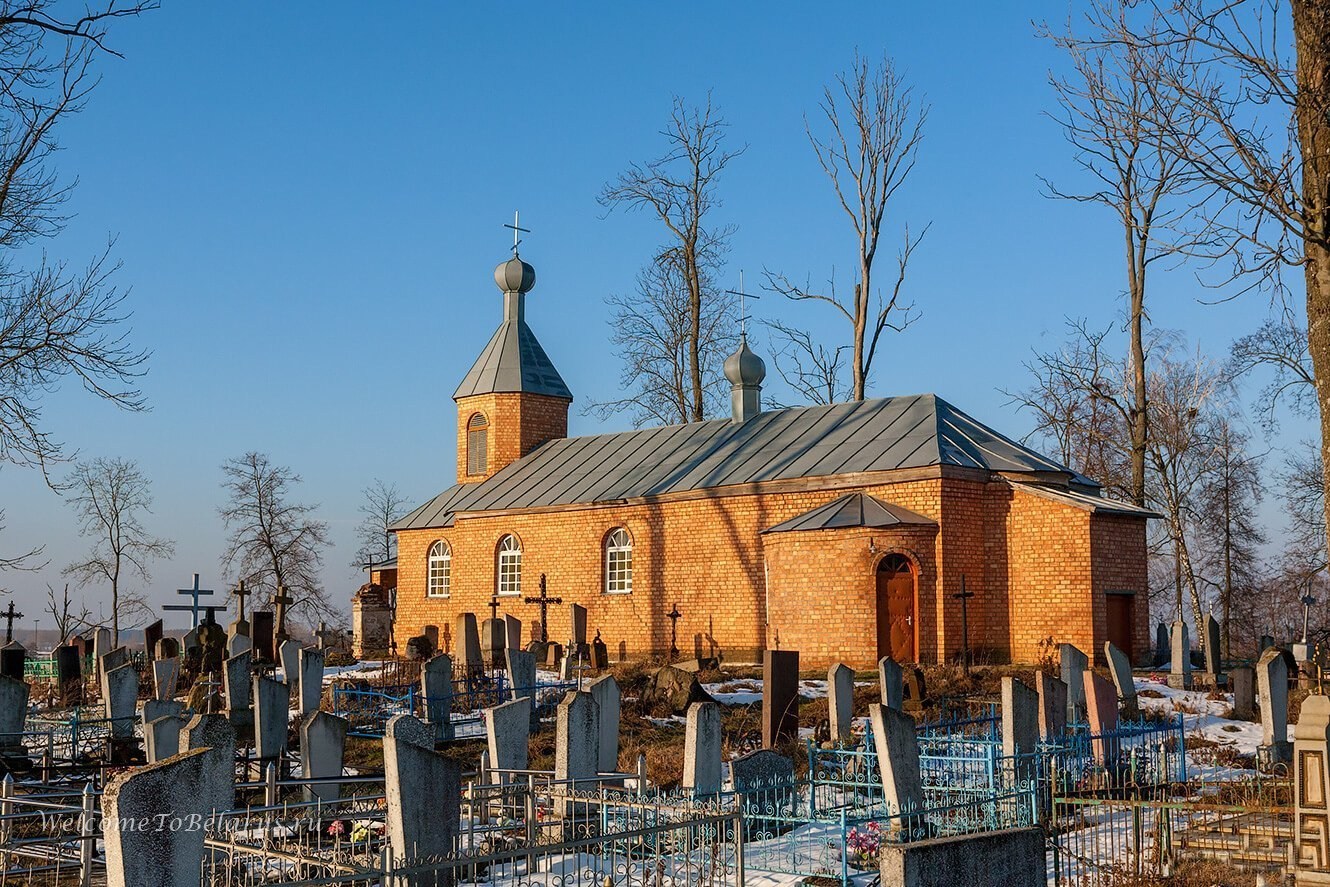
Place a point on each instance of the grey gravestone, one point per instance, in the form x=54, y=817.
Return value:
x=1101, y=700
x=322, y=749
x=1211, y=638
x=237, y=644
x=1267, y=641
x=120, y=696
x=701, y=750
x=272, y=709
x=1120, y=668
x=436, y=677
x=577, y=738
x=165, y=675
x=13, y=711
x=101, y=645
x=144, y=845
x=897, y=748
x=780, y=697
x=512, y=633
x=508, y=729
x=289, y=653
x=605, y=691
x=521, y=673
x=1179, y=672
x=1162, y=644
x=112, y=659
x=492, y=642
x=236, y=675
x=759, y=770
x=840, y=701
x=311, y=680
x=1272, y=685
x=892, y=683
x=1073, y=665
x=161, y=708
x=1243, y=682
x=1020, y=718
x=161, y=737
x=1052, y=706
x=214, y=731
x=423, y=790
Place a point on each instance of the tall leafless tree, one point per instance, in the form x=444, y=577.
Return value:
x=872, y=126
x=652, y=330
x=382, y=504
x=1278, y=346
x=67, y=614
x=679, y=189
x=111, y=498
x=273, y=541
x=1107, y=110
x=1301, y=481
x=815, y=372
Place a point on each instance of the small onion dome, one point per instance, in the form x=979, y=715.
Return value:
x=514, y=276
x=743, y=367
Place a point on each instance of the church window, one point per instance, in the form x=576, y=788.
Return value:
x=509, y=575
x=619, y=562
x=477, y=444
x=440, y=570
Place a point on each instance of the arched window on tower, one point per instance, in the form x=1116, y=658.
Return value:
x=440, y=580
x=477, y=444
x=618, y=562
x=508, y=576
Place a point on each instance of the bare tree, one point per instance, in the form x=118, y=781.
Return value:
x=1107, y=110
x=1280, y=346
x=383, y=504
x=679, y=188
x=814, y=371
x=1302, y=488
x=653, y=332
x=67, y=615
x=273, y=541
x=110, y=497
x=874, y=128
x=1258, y=133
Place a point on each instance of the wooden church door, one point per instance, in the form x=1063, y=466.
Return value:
x=1120, y=623
x=895, y=609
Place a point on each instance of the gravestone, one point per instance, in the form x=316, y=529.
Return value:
x=120, y=696
x=236, y=673
x=237, y=644
x=897, y=746
x=1162, y=644
x=322, y=750
x=469, y=657
x=605, y=691
x=915, y=692
x=1073, y=664
x=1212, y=662
x=780, y=697
x=1020, y=718
x=553, y=654
x=289, y=653
x=69, y=673
x=13, y=657
x=759, y=770
x=272, y=710
x=521, y=673
x=891, y=682
x=1311, y=791
x=165, y=676
x=1242, y=680
x=508, y=729
x=423, y=794
x=1272, y=685
x=1052, y=706
x=112, y=659
x=600, y=654
x=512, y=632
x=311, y=680
x=262, y=633
x=493, y=641
x=1179, y=672
x=168, y=648
x=1267, y=641
x=702, y=748
x=1101, y=704
x=436, y=677
x=151, y=636
x=214, y=731
x=161, y=737
x=160, y=708
x=577, y=738
x=577, y=614
x=101, y=645
x=1119, y=667
x=14, y=696
x=141, y=814
x=840, y=701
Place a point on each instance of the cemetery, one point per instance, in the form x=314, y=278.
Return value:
x=225, y=758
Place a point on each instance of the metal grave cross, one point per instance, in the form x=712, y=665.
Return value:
x=674, y=616
x=494, y=606
x=326, y=634
x=281, y=601
x=518, y=230
x=194, y=594
x=743, y=305
x=240, y=593
x=544, y=600
x=10, y=616
x=964, y=596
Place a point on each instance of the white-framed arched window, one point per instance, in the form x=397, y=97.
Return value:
x=440, y=576
x=618, y=562
x=508, y=575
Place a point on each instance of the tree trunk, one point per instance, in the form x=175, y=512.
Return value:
x=860, y=331
x=1139, y=414
x=695, y=332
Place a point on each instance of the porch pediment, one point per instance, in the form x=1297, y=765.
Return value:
x=852, y=510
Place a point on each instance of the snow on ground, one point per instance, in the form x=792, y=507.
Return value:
x=1200, y=715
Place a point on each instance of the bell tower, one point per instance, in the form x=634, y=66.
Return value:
x=513, y=399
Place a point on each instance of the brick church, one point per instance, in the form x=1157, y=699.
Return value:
x=846, y=532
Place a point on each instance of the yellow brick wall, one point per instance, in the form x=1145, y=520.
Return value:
x=518, y=423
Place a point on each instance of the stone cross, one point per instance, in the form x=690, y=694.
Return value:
x=494, y=606
x=194, y=594
x=544, y=600
x=281, y=601
x=325, y=634
x=240, y=593
x=10, y=616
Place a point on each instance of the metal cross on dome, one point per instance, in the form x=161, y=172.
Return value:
x=743, y=304
x=518, y=230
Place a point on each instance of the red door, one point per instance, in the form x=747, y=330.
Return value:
x=1120, y=623
x=895, y=609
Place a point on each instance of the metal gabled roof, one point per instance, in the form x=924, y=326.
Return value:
x=852, y=510
x=820, y=441
x=513, y=361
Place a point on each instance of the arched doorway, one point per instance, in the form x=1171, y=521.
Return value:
x=895, y=608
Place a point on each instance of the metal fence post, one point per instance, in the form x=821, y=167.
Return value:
x=6, y=791
x=738, y=848
x=88, y=832
x=845, y=851
x=270, y=786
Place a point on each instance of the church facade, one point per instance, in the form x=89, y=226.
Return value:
x=897, y=526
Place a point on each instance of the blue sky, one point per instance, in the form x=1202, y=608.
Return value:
x=309, y=204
